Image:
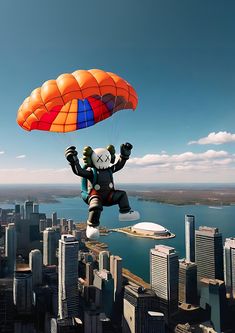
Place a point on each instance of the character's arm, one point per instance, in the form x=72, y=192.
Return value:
x=124, y=156
x=71, y=156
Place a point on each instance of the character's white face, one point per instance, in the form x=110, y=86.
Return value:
x=101, y=158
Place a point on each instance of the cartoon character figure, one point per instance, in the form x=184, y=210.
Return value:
x=97, y=183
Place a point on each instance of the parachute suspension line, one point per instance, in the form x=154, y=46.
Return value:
x=115, y=124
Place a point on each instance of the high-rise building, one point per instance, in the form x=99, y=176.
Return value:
x=209, y=253
x=35, y=264
x=190, y=237
x=22, y=211
x=17, y=215
x=22, y=291
x=50, y=244
x=164, y=278
x=116, y=271
x=229, y=266
x=35, y=207
x=70, y=225
x=187, y=282
x=77, y=234
x=103, y=280
x=213, y=299
x=28, y=209
x=17, y=209
x=140, y=311
x=89, y=273
x=10, y=247
x=68, y=277
x=49, y=222
x=104, y=260
x=54, y=219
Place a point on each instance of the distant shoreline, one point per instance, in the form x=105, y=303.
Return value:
x=217, y=195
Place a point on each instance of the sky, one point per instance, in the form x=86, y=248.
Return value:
x=178, y=55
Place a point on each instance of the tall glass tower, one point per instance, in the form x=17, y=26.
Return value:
x=50, y=243
x=209, y=253
x=190, y=238
x=164, y=278
x=10, y=247
x=229, y=266
x=35, y=264
x=68, y=277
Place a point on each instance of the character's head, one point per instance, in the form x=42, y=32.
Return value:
x=101, y=158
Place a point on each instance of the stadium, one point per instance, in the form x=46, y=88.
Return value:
x=150, y=229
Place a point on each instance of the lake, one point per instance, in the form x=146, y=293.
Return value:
x=135, y=251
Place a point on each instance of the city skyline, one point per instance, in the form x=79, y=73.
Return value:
x=178, y=56
x=90, y=283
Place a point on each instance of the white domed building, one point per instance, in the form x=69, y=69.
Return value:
x=150, y=229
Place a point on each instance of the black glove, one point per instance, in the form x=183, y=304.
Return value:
x=126, y=150
x=87, y=152
x=71, y=154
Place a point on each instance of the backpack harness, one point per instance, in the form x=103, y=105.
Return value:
x=85, y=193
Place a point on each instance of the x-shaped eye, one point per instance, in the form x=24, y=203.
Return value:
x=99, y=158
x=107, y=158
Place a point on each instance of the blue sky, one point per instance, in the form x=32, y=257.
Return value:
x=179, y=56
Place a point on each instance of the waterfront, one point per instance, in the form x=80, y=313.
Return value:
x=133, y=250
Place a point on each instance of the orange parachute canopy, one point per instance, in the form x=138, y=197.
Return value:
x=75, y=101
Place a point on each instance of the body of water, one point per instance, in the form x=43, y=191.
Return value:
x=135, y=251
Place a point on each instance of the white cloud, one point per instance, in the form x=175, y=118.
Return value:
x=159, y=159
x=2, y=152
x=21, y=156
x=215, y=139
x=208, y=166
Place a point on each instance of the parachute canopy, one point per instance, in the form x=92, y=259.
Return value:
x=75, y=101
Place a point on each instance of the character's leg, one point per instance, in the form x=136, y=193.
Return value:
x=126, y=214
x=93, y=221
x=120, y=198
x=95, y=209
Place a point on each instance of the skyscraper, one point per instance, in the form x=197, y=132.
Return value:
x=116, y=271
x=35, y=208
x=68, y=277
x=229, y=266
x=89, y=273
x=104, y=261
x=103, y=280
x=213, y=299
x=209, y=253
x=50, y=244
x=140, y=311
x=35, y=264
x=54, y=219
x=22, y=291
x=28, y=209
x=10, y=247
x=70, y=225
x=190, y=238
x=164, y=278
x=187, y=282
